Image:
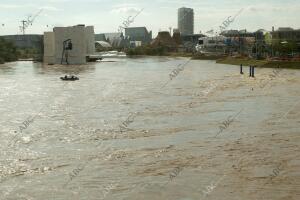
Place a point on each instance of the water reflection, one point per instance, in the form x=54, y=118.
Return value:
x=7, y=68
x=41, y=68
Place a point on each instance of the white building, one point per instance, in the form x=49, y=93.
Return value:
x=69, y=45
x=211, y=44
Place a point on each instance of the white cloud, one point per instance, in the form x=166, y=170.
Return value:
x=107, y=15
x=13, y=6
x=35, y=6
x=50, y=8
x=274, y=8
x=126, y=10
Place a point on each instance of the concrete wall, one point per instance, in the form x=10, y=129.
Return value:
x=90, y=40
x=77, y=34
x=83, y=41
x=49, y=47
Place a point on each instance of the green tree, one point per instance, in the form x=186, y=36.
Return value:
x=8, y=51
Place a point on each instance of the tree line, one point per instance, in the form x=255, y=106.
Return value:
x=8, y=51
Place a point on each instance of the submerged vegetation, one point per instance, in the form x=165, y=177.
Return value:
x=30, y=53
x=9, y=52
x=147, y=50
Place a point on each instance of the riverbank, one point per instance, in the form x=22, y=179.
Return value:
x=259, y=63
x=160, y=52
x=222, y=59
x=207, y=57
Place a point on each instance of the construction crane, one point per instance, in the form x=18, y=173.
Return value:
x=225, y=24
x=29, y=21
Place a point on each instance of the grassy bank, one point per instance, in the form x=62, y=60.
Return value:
x=179, y=54
x=207, y=57
x=162, y=51
x=260, y=63
x=156, y=51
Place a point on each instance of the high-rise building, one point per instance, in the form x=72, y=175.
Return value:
x=186, y=21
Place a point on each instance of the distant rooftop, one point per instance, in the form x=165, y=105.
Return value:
x=285, y=29
x=103, y=44
x=137, y=27
x=185, y=8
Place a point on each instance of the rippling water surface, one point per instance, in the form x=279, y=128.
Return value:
x=126, y=131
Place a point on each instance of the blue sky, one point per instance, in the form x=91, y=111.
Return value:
x=107, y=15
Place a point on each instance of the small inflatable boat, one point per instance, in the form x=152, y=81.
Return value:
x=69, y=78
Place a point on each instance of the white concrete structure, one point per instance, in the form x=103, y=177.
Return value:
x=83, y=45
x=90, y=40
x=49, y=45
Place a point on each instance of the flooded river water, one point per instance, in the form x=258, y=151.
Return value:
x=126, y=130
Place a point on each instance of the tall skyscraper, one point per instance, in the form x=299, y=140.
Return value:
x=186, y=21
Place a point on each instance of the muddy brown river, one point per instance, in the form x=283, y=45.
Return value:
x=149, y=128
